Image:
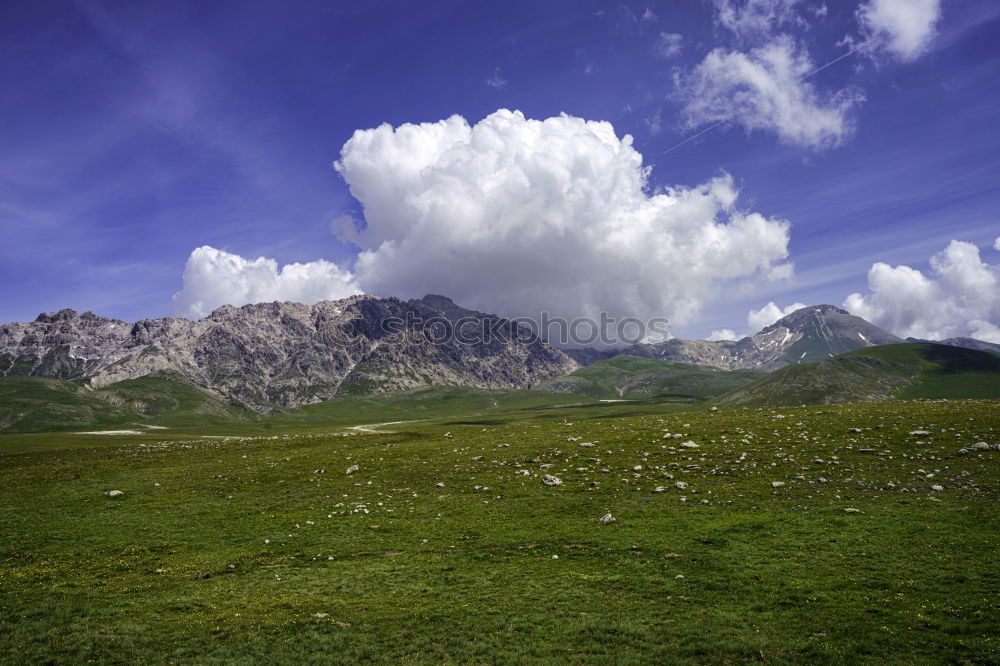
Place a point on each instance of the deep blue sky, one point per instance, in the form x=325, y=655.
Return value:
x=133, y=132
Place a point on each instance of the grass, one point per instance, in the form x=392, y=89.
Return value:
x=32, y=404
x=633, y=377
x=259, y=547
x=903, y=371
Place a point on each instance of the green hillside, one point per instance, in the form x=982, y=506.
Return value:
x=423, y=403
x=33, y=404
x=624, y=377
x=901, y=371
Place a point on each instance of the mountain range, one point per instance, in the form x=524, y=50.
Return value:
x=284, y=354
x=806, y=335
x=242, y=362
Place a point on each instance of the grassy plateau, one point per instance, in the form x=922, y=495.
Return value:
x=848, y=534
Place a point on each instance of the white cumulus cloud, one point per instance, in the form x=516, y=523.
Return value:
x=213, y=277
x=521, y=216
x=904, y=28
x=758, y=320
x=765, y=89
x=996, y=244
x=961, y=297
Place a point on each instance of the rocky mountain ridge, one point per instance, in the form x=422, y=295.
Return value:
x=285, y=354
x=809, y=334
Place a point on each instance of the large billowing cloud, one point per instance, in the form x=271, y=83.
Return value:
x=765, y=89
x=213, y=278
x=758, y=320
x=522, y=216
x=960, y=297
x=903, y=28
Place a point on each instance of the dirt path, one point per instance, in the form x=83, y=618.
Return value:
x=375, y=427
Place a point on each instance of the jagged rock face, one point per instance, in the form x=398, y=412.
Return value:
x=809, y=334
x=285, y=354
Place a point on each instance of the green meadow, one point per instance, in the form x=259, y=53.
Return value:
x=844, y=534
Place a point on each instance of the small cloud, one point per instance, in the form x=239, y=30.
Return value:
x=723, y=334
x=760, y=319
x=589, y=69
x=496, y=81
x=668, y=45
x=756, y=18
x=653, y=123
x=996, y=244
x=903, y=28
x=821, y=11
x=346, y=228
x=648, y=16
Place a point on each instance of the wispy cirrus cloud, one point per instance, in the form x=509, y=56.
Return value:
x=668, y=45
x=765, y=90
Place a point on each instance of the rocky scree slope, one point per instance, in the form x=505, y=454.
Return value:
x=284, y=354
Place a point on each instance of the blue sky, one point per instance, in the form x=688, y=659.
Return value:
x=134, y=132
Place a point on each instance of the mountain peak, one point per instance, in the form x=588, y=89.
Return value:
x=61, y=315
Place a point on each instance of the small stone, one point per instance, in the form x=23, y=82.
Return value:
x=681, y=485
x=937, y=489
x=659, y=489
x=606, y=518
x=678, y=577
x=439, y=485
x=550, y=480
x=352, y=469
x=980, y=446
x=689, y=445
x=477, y=458
x=852, y=510
x=777, y=484
x=919, y=432
x=587, y=444
x=114, y=493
